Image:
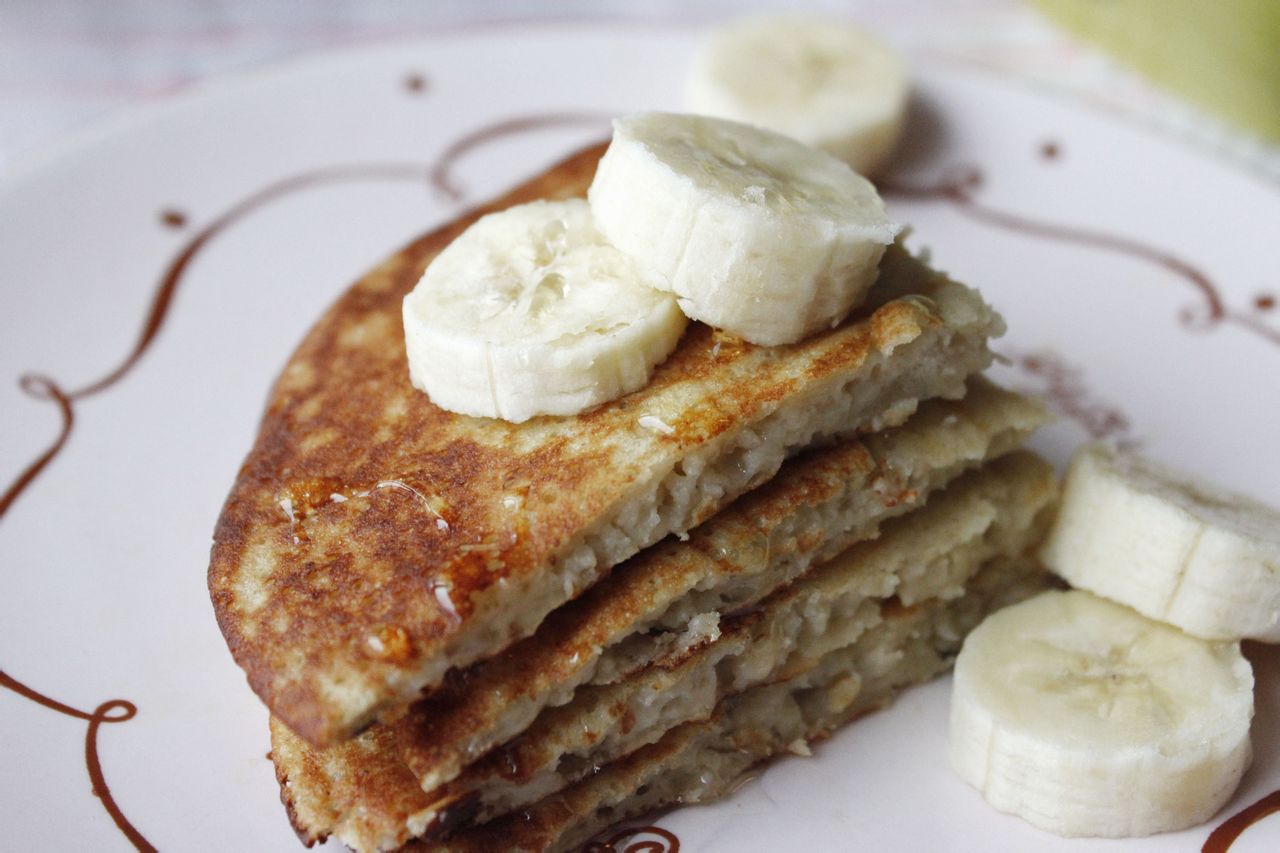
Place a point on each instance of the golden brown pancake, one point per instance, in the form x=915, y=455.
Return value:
x=654, y=604
x=362, y=792
x=372, y=541
x=933, y=552
x=702, y=761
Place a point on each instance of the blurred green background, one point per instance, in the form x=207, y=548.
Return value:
x=1221, y=54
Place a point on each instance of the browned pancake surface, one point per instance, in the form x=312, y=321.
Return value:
x=366, y=525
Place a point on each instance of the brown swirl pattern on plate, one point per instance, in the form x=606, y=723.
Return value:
x=959, y=189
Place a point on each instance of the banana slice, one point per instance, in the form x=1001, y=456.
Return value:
x=1181, y=552
x=755, y=233
x=1085, y=718
x=529, y=312
x=823, y=82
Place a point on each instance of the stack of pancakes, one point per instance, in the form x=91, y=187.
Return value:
x=476, y=635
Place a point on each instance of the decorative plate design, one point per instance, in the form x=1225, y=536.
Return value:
x=159, y=270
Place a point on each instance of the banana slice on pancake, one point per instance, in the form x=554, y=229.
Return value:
x=530, y=312
x=755, y=233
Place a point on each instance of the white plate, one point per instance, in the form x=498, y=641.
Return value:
x=103, y=556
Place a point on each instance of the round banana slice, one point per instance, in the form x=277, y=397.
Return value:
x=529, y=312
x=1172, y=549
x=828, y=84
x=755, y=233
x=1085, y=718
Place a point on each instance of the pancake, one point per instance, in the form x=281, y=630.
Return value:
x=661, y=601
x=701, y=761
x=931, y=553
x=368, y=797
x=372, y=541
